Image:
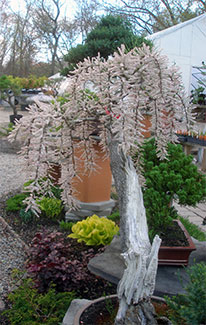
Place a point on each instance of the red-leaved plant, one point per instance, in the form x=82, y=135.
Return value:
x=53, y=259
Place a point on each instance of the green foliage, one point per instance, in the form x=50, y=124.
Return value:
x=31, y=82
x=109, y=34
x=94, y=231
x=26, y=216
x=66, y=226
x=55, y=189
x=193, y=229
x=51, y=207
x=114, y=216
x=174, y=177
x=32, y=308
x=11, y=86
x=7, y=84
x=197, y=95
x=190, y=307
x=6, y=130
x=15, y=203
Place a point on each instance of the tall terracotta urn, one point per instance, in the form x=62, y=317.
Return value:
x=89, y=186
x=94, y=186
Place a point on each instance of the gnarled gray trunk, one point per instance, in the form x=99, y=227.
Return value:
x=141, y=259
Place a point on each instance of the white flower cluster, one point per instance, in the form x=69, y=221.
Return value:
x=122, y=90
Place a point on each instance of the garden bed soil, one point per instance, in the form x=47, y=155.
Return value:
x=173, y=236
x=26, y=231
x=98, y=286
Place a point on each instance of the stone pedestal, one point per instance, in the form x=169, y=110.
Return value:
x=110, y=266
x=101, y=209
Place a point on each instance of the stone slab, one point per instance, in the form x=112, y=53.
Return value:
x=202, y=207
x=196, y=211
x=110, y=266
x=72, y=217
x=81, y=214
x=97, y=206
x=75, y=305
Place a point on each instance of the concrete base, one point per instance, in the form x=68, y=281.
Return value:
x=110, y=266
x=101, y=209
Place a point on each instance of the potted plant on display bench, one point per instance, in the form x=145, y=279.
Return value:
x=9, y=88
x=11, y=91
x=126, y=85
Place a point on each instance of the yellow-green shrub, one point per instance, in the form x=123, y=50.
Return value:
x=94, y=231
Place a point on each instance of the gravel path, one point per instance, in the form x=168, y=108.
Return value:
x=12, y=176
x=13, y=252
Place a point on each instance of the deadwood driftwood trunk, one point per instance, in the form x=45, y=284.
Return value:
x=141, y=259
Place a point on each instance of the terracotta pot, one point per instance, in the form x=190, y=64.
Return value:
x=147, y=124
x=94, y=186
x=80, y=312
x=176, y=255
x=91, y=187
x=55, y=173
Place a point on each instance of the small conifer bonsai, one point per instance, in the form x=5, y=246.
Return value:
x=174, y=177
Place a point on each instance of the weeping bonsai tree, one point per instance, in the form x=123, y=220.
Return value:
x=121, y=90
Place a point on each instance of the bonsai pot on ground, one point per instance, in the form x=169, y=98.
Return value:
x=176, y=255
x=100, y=311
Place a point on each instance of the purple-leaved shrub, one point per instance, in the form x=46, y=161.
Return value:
x=53, y=259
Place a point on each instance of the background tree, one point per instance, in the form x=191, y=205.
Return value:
x=201, y=5
x=5, y=32
x=36, y=32
x=48, y=23
x=86, y=16
x=109, y=34
x=53, y=28
x=23, y=47
x=152, y=16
